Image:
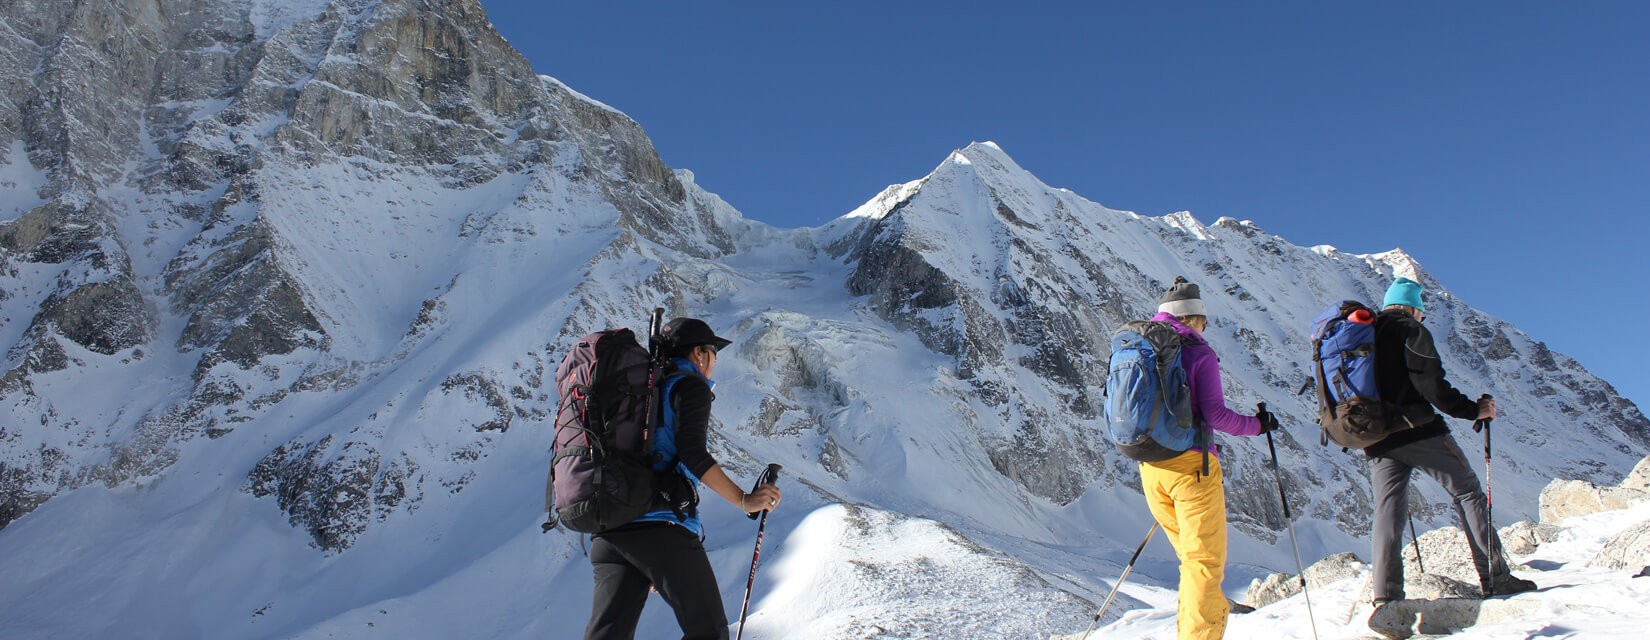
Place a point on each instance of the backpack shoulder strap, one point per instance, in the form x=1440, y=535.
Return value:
x=668, y=384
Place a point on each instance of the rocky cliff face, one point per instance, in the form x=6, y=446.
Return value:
x=183, y=177
x=345, y=241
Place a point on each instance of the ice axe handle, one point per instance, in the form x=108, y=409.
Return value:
x=769, y=476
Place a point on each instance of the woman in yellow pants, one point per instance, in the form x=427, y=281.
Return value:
x=1188, y=503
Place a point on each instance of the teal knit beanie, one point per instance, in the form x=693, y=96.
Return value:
x=1405, y=292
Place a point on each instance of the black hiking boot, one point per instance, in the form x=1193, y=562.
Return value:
x=1506, y=585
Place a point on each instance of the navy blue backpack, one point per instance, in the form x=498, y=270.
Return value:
x=1350, y=408
x=1148, y=407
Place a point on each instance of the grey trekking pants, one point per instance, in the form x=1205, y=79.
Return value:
x=1389, y=475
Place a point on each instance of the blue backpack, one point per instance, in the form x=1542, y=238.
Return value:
x=1148, y=407
x=1350, y=408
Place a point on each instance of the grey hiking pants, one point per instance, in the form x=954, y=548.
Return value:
x=1389, y=476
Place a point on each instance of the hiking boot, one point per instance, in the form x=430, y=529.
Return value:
x=1506, y=585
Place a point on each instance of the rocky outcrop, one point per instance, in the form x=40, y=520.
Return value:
x=1442, y=552
x=181, y=145
x=1524, y=537
x=1438, y=566
x=1280, y=586
x=1569, y=498
x=1639, y=477
x=1626, y=551
x=1433, y=617
x=331, y=492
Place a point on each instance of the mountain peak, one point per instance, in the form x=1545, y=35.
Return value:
x=983, y=150
x=991, y=159
x=1404, y=265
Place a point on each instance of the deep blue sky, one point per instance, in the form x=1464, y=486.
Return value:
x=1505, y=144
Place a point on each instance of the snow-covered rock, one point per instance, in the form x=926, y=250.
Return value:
x=1279, y=586
x=1568, y=498
x=1639, y=477
x=1627, y=551
x=1443, y=552
x=1447, y=615
x=1525, y=536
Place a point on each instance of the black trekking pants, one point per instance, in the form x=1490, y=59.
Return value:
x=673, y=561
x=1389, y=475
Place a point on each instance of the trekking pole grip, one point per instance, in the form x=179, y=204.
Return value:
x=1273, y=449
x=1261, y=408
x=1480, y=425
x=769, y=476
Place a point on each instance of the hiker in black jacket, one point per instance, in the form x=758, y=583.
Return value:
x=663, y=548
x=1410, y=374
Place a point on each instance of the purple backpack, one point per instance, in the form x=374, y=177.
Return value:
x=601, y=469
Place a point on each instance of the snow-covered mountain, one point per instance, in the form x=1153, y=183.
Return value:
x=282, y=285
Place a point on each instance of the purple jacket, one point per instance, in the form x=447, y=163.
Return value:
x=1203, y=376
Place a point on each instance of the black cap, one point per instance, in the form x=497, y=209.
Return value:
x=682, y=333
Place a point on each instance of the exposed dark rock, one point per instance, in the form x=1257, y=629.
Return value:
x=105, y=317
x=331, y=491
x=489, y=392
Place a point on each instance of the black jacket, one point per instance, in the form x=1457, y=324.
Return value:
x=1410, y=374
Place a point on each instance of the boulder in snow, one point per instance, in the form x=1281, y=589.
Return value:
x=1629, y=550
x=1406, y=618
x=1639, y=477
x=1444, y=552
x=1522, y=537
x=1278, y=586
x=1565, y=498
x=1426, y=586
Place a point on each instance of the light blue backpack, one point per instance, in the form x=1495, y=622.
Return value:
x=1148, y=403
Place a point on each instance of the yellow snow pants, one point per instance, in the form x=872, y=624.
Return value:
x=1193, y=513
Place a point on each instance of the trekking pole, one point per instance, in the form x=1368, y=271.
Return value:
x=1290, y=521
x=1417, y=540
x=1119, y=584
x=770, y=476
x=1489, y=500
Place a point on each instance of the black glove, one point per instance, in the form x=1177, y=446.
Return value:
x=1268, y=422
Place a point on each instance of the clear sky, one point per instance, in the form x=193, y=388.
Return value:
x=1504, y=144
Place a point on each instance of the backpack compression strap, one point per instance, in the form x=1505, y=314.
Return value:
x=1323, y=391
